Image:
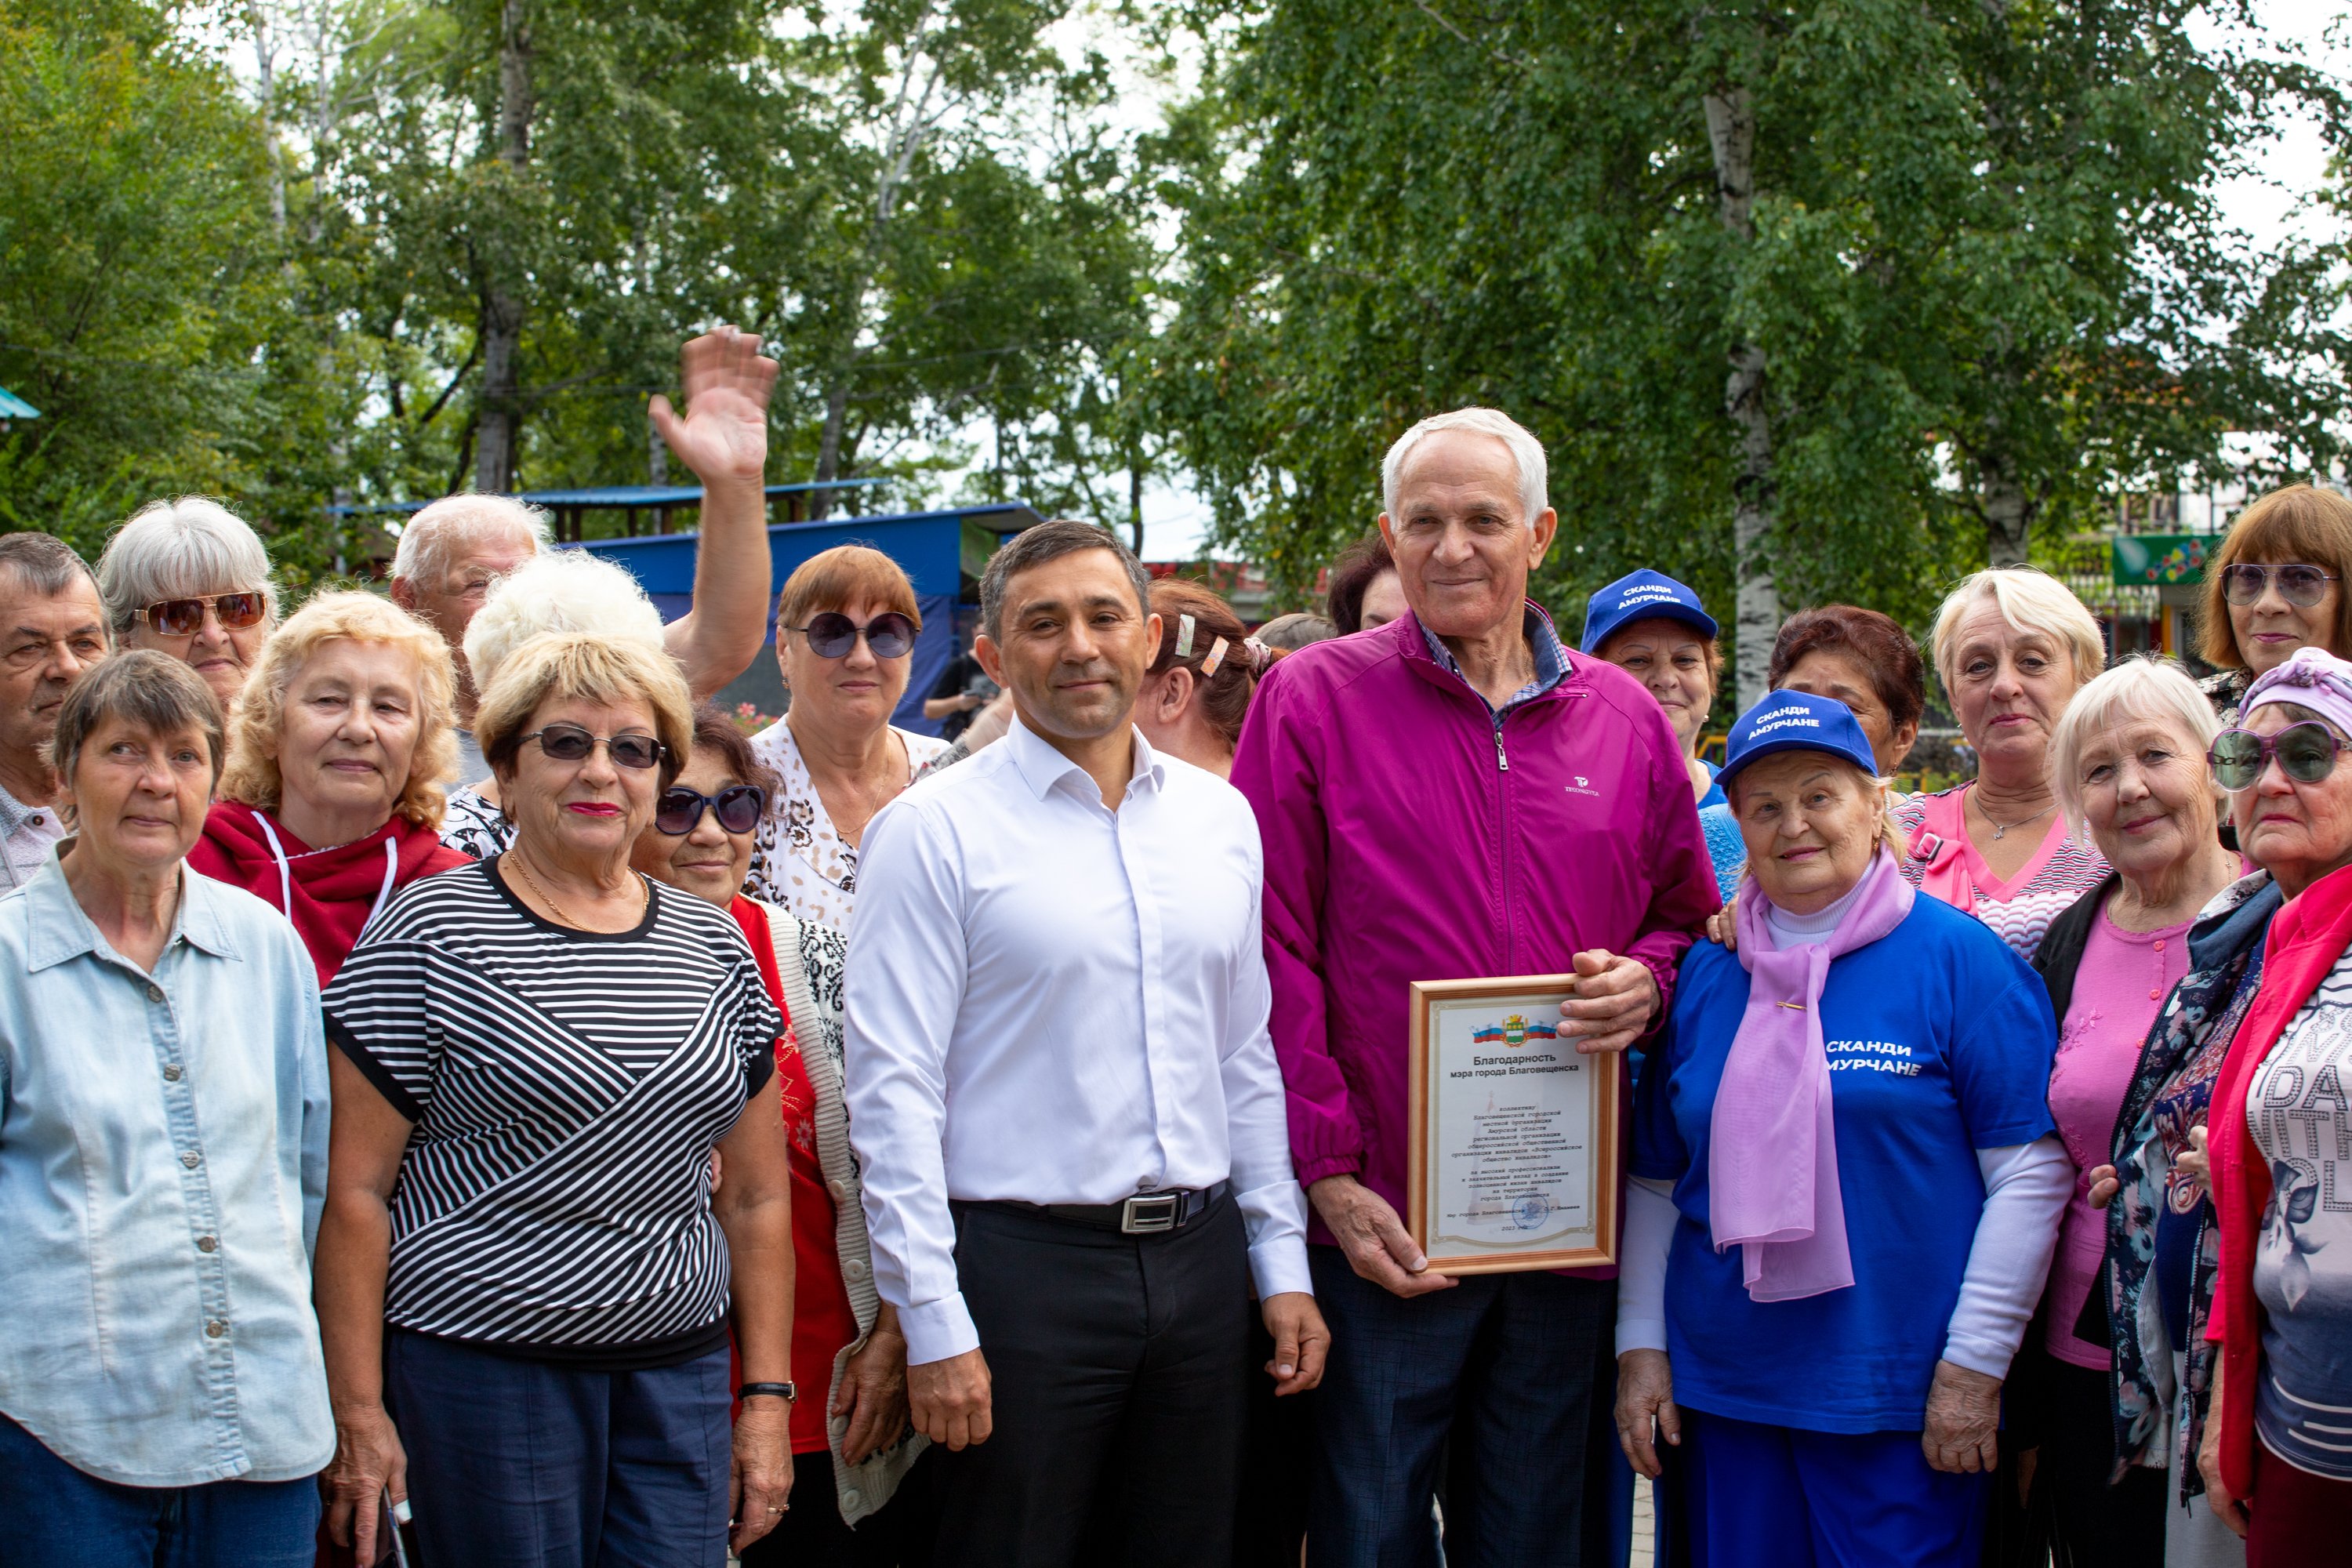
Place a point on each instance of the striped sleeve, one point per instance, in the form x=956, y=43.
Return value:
x=758, y=1026
x=379, y=1016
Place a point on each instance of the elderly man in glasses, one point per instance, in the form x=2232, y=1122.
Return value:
x=52, y=627
x=452, y=551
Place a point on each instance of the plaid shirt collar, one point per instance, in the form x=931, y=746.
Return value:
x=1550, y=656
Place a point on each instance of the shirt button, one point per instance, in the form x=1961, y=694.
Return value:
x=154, y=992
x=2153, y=994
x=215, y=1328
x=207, y=1243
x=36, y=819
x=854, y=1269
x=172, y=1073
x=191, y=1159
x=2159, y=944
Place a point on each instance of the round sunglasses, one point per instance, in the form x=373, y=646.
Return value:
x=185, y=617
x=571, y=743
x=831, y=635
x=2305, y=753
x=2300, y=585
x=738, y=806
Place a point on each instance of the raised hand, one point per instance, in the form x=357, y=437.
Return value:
x=724, y=433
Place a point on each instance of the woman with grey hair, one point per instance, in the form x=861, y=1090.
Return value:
x=191, y=578
x=162, y=1163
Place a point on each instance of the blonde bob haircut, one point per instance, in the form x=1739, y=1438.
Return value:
x=582, y=666
x=2031, y=600
x=2151, y=689
x=259, y=723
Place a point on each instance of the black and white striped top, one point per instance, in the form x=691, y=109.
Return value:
x=567, y=1088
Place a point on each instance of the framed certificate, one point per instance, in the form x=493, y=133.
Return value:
x=1513, y=1159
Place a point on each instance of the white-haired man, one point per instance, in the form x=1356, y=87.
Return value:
x=52, y=627
x=452, y=551
x=1455, y=795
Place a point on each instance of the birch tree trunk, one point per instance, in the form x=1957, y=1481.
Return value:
x=502, y=303
x=1731, y=132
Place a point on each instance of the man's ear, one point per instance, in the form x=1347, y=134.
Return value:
x=404, y=593
x=991, y=657
x=1546, y=526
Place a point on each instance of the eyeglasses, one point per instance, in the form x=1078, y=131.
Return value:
x=2305, y=753
x=680, y=811
x=571, y=743
x=2300, y=585
x=831, y=635
x=185, y=617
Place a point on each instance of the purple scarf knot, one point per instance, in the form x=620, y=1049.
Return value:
x=1772, y=1175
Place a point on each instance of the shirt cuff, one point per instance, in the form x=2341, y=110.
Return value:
x=1978, y=1354
x=1641, y=1335
x=937, y=1330
x=1279, y=1266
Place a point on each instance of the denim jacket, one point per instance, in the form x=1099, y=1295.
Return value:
x=163, y=1166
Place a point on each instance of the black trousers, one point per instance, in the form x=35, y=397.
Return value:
x=812, y=1534
x=1116, y=1368
x=2097, y=1525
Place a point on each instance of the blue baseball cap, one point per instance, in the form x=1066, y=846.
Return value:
x=1640, y=597
x=1797, y=721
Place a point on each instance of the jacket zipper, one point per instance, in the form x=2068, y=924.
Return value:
x=1502, y=762
x=1503, y=848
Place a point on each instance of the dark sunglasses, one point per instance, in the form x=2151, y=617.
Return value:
x=185, y=617
x=739, y=807
x=2302, y=586
x=831, y=635
x=2305, y=753
x=571, y=743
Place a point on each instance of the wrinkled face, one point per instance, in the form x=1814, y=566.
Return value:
x=593, y=810
x=854, y=695
x=1810, y=825
x=1073, y=645
x=2010, y=684
x=138, y=798
x=44, y=642
x=222, y=655
x=447, y=600
x=2269, y=630
x=1383, y=602
x=353, y=717
x=1669, y=658
x=709, y=862
x=2148, y=796
x=1827, y=672
x=2295, y=831
x=1460, y=535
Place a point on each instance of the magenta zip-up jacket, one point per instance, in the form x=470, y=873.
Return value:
x=1410, y=835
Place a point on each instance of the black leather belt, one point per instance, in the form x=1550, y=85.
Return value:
x=1146, y=1213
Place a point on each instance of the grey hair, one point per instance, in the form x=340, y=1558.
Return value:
x=561, y=590
x=426, y=544
x=43, y=565
x=182, y=549
x=2154, y=690
x=150, y=691
x=1527, y=455
x=1049, y=542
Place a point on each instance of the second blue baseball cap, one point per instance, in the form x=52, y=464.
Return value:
x=1638, y=597
x=1797, y=721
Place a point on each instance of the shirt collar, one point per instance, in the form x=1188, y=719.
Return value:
x=59, y=930
x=1543, y=642
x=1042, y=766
x=14, y=812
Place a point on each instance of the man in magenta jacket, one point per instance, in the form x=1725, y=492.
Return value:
x=1455, y=795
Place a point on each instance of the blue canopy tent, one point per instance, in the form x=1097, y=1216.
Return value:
x=943, y=552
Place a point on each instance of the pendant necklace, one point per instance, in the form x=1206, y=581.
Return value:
x=2001, y=829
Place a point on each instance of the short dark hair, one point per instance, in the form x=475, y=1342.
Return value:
x=151, y=690
x=44, y=563
x=1883, y=649
x=716, y=732
x=1353, y=571
x=1050, y=541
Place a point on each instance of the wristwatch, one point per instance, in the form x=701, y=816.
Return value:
x=786, y=1392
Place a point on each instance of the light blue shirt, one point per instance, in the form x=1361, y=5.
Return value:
x=163, y=1166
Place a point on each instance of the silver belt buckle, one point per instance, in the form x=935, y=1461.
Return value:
x=1150, y=1214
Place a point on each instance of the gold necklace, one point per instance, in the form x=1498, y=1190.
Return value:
x=548, y=898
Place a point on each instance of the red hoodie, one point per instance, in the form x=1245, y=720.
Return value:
x=329, y=894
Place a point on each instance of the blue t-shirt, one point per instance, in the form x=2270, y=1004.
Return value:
x=1714, y=795
x=1940, y=1041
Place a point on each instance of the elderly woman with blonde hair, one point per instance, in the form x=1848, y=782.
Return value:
x=526, y=1276
x=331, y=800
x=191, y=578
x=2012, y=647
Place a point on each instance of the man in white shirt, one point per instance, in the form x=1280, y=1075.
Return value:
x=1065, y=1100
x=52, y=627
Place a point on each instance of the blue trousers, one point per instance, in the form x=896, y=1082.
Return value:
x=1495, y=1376
x=1775, y=1497
x=513, y=1461
x=55, y=1516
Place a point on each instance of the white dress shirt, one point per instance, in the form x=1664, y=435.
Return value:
x=1054, y=1003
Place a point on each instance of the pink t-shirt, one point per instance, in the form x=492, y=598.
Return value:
x=2119, y=988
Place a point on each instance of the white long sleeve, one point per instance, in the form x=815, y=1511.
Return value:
x=2026, y=1187
x=1649, y=1220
